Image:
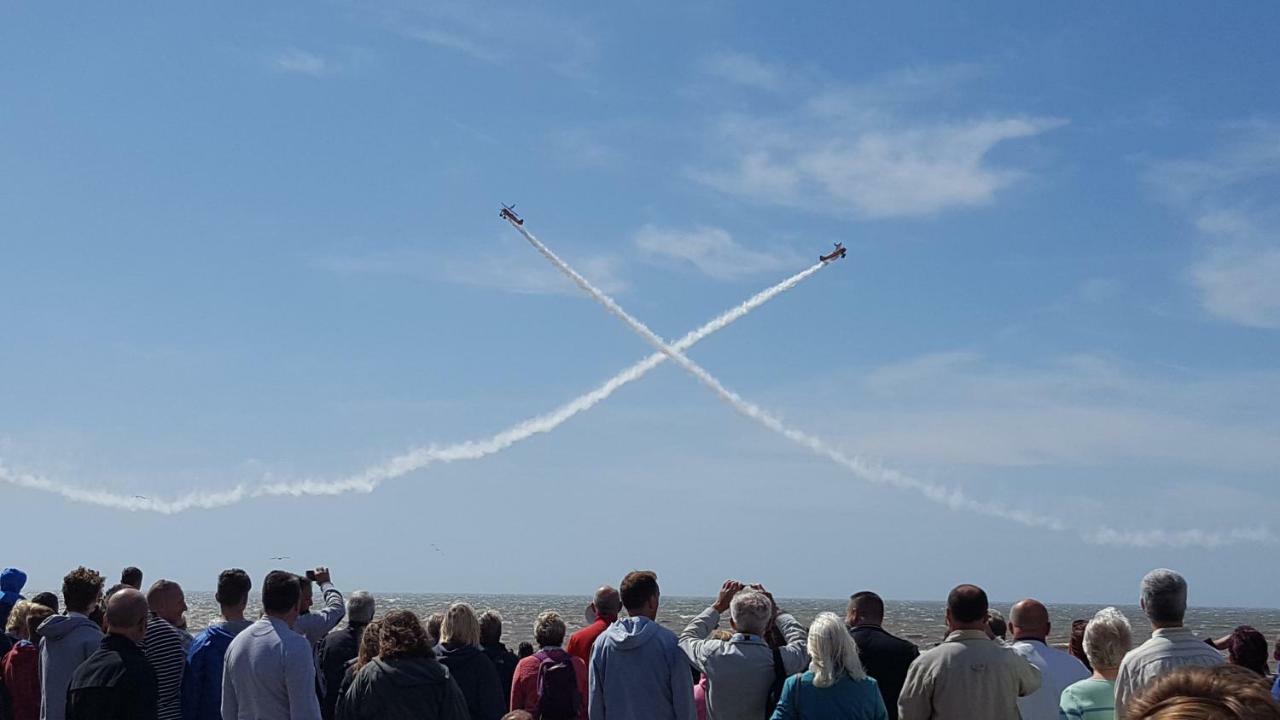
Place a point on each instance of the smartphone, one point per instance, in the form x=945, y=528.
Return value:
x=311, y=575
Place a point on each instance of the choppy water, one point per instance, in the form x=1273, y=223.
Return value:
x=921, y=622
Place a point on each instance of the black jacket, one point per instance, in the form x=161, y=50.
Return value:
x=115, y=683
x=336, y=650
x=504, y=661
x=886, y=658
x=403, y=688
x=478, y=679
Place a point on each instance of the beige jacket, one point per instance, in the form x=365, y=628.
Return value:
x=968, y=676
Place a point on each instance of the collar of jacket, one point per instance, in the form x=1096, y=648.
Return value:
x=967, y=635
x=747, y=638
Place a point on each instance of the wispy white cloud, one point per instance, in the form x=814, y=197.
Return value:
x=301, y=62
x=711, y=250
x=743, y=69
x=456, y=41
x=1230, y=196
x=584, y=149
x=857, y=149
x=958, y=408
x=512, y=272
x=529, y=35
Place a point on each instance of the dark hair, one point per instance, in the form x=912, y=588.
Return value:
x=47, y=599
x=402, y=635
x=638, y=587
x=868, y=604
x=233, y=587
x=132, y=577
x=490, y=627
x=80, y=589
x=280, y=591
x=524, y=650
x=1223, y=692
x=967, y=603
x=1248, y=648
x=1075, y=646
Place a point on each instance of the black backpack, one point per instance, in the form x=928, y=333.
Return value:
x=558, y=697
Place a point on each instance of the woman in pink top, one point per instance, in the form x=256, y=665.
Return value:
x=548, y=631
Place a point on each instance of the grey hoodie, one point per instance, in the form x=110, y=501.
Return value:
x=638, y=672
x=65, y=642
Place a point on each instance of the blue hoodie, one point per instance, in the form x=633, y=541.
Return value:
x=202, y=679
x=65, y=642
x=638, y=672
x=11, y=582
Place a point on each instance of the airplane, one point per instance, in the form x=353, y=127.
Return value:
x=835, y=254
x=508, y=212
x=281, y=557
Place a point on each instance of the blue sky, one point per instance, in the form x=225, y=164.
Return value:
x=246, y=244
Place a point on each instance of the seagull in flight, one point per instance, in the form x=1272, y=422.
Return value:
x=281, y=557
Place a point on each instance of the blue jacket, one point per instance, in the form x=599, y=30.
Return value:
x=847, y=699
x=202, y=678
x=638, y=672
x=11, y=582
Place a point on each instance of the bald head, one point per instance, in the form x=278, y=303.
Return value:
x=607, y=602
x=166, y=599
x=1029, y=620
x=127, y=614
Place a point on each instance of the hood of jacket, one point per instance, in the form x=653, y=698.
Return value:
x=632, y=632
x=59, y=627
x=406, y=672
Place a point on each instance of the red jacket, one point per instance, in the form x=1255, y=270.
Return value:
x=524, y=686
x=22, y=679
x=580, y=642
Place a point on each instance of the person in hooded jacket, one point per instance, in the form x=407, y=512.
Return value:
x=475, y=674
x=117, y=682
x=202, y=678
x=405, y=681
x=68, y=640
x=20, y=667
x=638, y=671
x=12, y=580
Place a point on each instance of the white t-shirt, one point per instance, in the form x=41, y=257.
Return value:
x=1058, y=670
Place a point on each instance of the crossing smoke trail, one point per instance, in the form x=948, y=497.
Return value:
x=416, y=459
x=950, y=497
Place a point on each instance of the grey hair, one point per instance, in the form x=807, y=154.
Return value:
x=751, y=611
x=360, y=608
x=832, y=652
x=1164, y=596
x=1107, y=637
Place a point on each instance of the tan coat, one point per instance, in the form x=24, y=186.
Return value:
x=968, y=676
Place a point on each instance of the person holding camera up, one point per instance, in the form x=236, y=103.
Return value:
x=744, y=674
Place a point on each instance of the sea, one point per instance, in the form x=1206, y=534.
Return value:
x=922, y=622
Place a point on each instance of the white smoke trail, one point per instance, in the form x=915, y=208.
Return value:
x=415, y=459
x=950, y=497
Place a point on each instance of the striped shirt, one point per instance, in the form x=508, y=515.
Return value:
x=1168, y=649
x=163, y=648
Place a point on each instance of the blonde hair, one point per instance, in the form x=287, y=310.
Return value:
x=549, y=629
x=832, y=652
x=460, y=626
x=18, y=618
